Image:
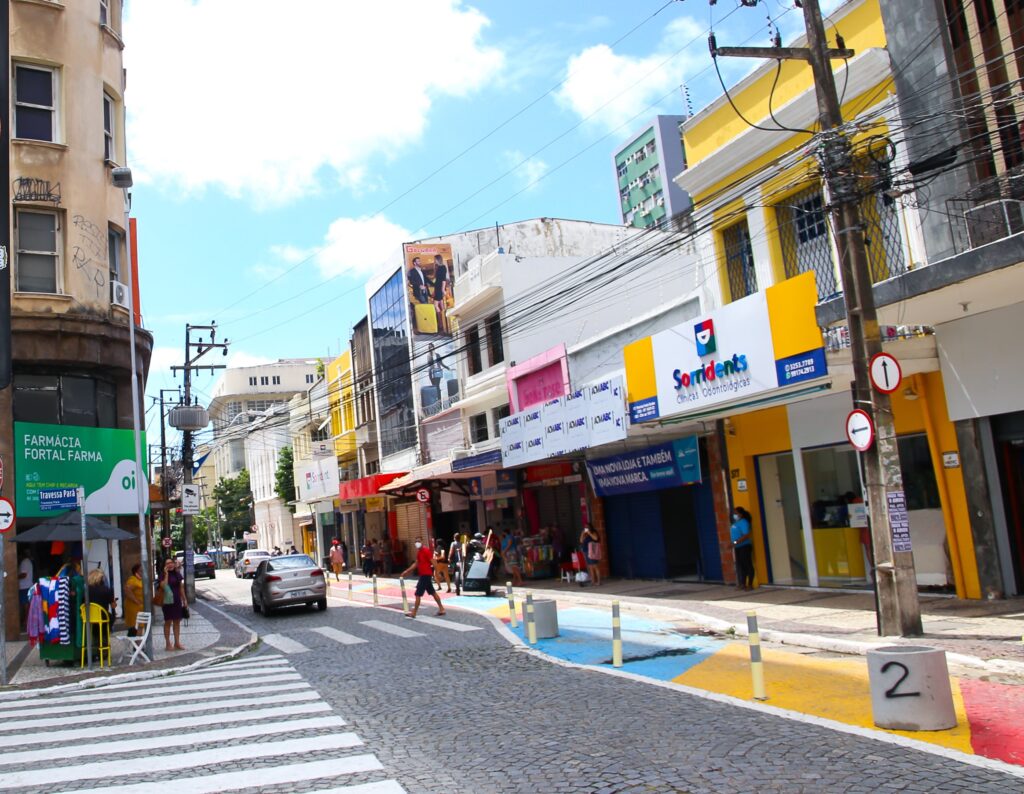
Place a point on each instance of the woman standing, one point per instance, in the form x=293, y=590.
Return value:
x=513, y=561
x=174, y=601
x=441, y=565
x=743, y=547
x=133, y=598
x=590, y=543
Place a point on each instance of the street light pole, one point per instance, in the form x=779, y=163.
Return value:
x=122, y=178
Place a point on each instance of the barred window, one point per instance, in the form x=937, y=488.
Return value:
x=739, y=261
x=803, y=233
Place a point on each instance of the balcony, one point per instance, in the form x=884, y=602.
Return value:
x=478, y=284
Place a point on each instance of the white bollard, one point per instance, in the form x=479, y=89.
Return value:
x=910, y=689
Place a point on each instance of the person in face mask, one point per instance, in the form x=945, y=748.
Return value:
x=424, y=567
x=743, y=547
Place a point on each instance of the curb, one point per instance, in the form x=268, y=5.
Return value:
x=141, y=675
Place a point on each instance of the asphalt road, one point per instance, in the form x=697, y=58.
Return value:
x=466, y=711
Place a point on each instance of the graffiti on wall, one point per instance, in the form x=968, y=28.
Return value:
x=89, y=252
x=28, y=188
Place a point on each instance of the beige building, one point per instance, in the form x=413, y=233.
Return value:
x=69, y=263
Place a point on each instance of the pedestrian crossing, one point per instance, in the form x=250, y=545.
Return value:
x=251, y=723
x=369, y=631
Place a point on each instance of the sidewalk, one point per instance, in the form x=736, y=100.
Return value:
x=207, y=635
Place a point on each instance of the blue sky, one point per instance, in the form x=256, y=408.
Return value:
x=277, y=147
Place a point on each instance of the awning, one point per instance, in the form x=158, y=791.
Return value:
x=438, y=469
x=366, y=486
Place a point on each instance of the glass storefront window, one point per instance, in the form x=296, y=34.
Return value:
x=833, y=483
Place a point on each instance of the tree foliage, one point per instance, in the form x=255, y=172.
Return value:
x=284, y=477
x=234, y=499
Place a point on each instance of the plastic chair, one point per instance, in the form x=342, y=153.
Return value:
x=98, y=616
x=137, y=644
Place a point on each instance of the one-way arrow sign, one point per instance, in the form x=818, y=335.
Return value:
x=886, y=374
x=860, y=430
x=6, y=514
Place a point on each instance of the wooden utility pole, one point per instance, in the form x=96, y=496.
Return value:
x=899, y=611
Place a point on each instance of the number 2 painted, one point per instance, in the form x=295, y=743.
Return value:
x=891, y=691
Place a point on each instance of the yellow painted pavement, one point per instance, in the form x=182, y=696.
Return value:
x=836, y=689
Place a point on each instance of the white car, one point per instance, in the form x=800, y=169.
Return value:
x=247, y=562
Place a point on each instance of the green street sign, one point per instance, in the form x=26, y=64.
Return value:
x=100, y=459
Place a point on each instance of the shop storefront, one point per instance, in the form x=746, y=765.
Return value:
x=554, y=511
x=659, y=513
x=371, y=518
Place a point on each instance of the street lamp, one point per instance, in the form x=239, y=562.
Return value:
x=122, y=178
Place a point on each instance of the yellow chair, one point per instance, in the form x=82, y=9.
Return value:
x=100, y=617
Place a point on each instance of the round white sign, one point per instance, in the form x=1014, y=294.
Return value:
x=6, y=514
x=423, y=495
x=885, y=371
x=860, y=430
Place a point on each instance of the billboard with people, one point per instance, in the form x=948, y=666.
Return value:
x=429, y=279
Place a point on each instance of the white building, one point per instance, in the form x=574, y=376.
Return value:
x=273, y=517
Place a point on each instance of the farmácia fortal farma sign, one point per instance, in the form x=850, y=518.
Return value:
x=100, y=459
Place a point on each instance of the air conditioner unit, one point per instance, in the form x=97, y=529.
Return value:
x=119, y=294
x=459, y=454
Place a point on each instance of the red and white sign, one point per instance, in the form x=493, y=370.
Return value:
x=423, y=495
x=860, y=430
x=6, y=514
x=886, y=373
x=1, y=472
x=166, y=542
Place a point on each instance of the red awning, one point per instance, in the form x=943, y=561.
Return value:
x=367, y=486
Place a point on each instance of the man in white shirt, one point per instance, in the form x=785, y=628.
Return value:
x=26, y=579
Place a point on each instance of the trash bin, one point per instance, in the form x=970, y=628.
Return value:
x=910, y=688
x=545, y=619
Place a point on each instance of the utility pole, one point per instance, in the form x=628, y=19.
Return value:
x=165, y=512
x=189, y=421
x=899, y=610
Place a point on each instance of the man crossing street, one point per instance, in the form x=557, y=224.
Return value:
x=424, y=567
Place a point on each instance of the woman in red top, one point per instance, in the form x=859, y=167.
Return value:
x=424, y=567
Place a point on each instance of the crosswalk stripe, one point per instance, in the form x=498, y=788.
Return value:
x=46, y=755
x=220, y=675
x=253, y=778
x=179, y=723
x=283, y=643
x=264, y=657
x=446, y=624
x=135, y=702
x=187, y=691
x=339, y=636
x=223, y=707
x=380, y=787
x=148, y=764
x=388, y=628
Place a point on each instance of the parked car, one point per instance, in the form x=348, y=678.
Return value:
x=245, y=566
x=203, y=564
x=284, y=581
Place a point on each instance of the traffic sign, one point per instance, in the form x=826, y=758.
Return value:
x=6, y=514
x=886, y=374
x=423, y=495
x=190, y=500
x=860, y=430
x=166, y=542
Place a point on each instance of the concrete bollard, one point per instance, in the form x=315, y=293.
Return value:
x=531, y=627
x=375, y=601
x=910, y=689
x=511, y=606
x=616, y=635
x=405, y=598
x=756, y=665
x=350, y=586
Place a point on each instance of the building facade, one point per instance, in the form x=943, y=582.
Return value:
x=644, y=168
x=69, y=260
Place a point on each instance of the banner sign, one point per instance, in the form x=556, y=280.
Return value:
x=652, y=469
x=587, y=417
x=493, y=485
x=317, y=480
x=102, y=460
x=769, y=340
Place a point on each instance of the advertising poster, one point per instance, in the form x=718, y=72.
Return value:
x=652, y=469
x=429, y=280
x=102, y=460
x=435, y=376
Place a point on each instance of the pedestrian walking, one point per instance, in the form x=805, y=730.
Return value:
x=133, y=598
x=590, y=544
x=171, y=598
x=366, y=556
x=337, y=560
x=424, y=567
x=441, y=565
x=743, y=548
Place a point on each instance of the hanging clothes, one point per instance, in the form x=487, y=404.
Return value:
x=64, y=609
x=36, y=622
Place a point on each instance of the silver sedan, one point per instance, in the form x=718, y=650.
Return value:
x=288, y=580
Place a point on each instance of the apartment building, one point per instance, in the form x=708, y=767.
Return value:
x=644, y=168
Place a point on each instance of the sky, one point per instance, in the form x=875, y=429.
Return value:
x=281, y=157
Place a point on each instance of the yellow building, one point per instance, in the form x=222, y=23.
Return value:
x=341, y=398
x=762, y=211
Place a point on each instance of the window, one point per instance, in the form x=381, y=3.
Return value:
x=115, y=243
x=264, y=380
x=323, y=434
x=803, y=231
x=38, y=252
x=109, y=121
x=276, y=380
x=500, y=413
x=35, y=103
x=495, y=348
x=478, y=428
x=621, y=169
x=64, y=400
x=252, y=380
x=236, y=454
x=473, y=360
x=310, y=379
x=739, y=261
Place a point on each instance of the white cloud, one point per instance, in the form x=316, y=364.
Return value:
x=527, y=172
x=264, y=99
x=611, y=90
x=353, y=246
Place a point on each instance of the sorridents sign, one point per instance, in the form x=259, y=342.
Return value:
x=584, y=418
x=317, y=480
x=651, y=469
x=762, y=342
x=102, y=460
